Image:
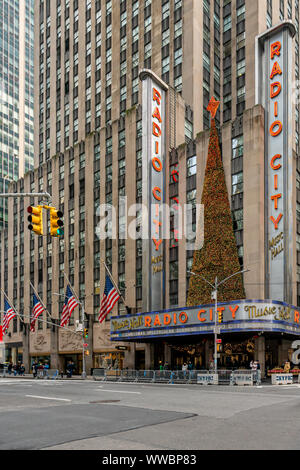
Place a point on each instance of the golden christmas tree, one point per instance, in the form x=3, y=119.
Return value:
x=219, y=255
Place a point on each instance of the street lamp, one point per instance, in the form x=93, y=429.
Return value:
x=215, y=298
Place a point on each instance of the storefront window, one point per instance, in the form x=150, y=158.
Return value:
x=109, y=360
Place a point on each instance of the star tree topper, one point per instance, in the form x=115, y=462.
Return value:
x=212, y=107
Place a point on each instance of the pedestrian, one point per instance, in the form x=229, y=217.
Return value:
x=166, y=366
x=16, y=369
x=184, y=366
x=40, y=371
x=161, y=367
x=9, y=368
x=46, y=370
x=34, y=369
x=70, y=369
x=22, y=369
x=287, y=367
x=190, y=366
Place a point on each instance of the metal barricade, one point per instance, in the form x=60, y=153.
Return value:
x=162, y=376
x=113, y=375
x=179, y=376
x=145, y=376
x=99, y=374
x=223, y=376
x=51, y=374
x=193, y=375
x=128, y=375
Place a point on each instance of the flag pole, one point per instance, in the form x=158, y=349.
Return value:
x=12, y=305
x=69, y=283
x=112, y=279
x=41, y=302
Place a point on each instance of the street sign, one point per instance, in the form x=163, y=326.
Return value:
x=217, y=330
x=1, y=334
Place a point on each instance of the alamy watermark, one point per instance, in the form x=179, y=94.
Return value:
x=164, y=222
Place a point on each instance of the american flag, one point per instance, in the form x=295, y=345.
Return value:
x=69, y=305
x=37, y=310
x=109, y=300
x=8, y=315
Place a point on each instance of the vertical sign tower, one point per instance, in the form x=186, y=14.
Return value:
x=274, y=75
x=154, y=171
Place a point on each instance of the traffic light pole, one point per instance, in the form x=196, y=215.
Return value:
x=21, y=195
x=83, y=340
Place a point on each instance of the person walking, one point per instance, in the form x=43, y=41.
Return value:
x=46, y=370
x=184, y=366
x=40, y=371
x=35, y=369
x=22, y=369
x=9, y=368
x=70, y=369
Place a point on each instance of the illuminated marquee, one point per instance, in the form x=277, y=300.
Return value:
x=245, y=315
x=274, y=91
x=153, y=190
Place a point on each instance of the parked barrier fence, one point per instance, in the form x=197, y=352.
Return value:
x=225, y=377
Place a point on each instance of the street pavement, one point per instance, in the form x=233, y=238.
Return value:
x=88, y=415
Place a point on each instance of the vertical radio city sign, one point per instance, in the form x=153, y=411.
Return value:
x=274, y=92
x=154, y=171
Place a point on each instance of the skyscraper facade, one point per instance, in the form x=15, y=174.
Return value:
x=90, y=139
x=16, y=93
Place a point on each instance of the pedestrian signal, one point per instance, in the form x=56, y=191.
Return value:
x=56, y=225
x=36, y=219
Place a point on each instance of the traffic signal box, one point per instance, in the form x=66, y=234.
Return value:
x=36, y=219
x=85, y=333
x=56, y=224
x=220, y=317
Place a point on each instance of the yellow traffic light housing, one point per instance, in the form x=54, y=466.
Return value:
x=220, y=317
x=56, y=224
x=36, y=219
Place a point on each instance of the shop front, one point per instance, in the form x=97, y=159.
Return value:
x=108, y=360
x=250, y=330
x=14, y=352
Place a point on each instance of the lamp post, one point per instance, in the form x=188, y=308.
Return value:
x=215, y=298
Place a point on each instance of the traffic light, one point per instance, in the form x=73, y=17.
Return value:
x=220, y=317
x=36, y=219
x=56, y=224
x=85, y=333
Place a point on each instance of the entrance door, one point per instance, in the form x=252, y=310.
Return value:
x=140, y=360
